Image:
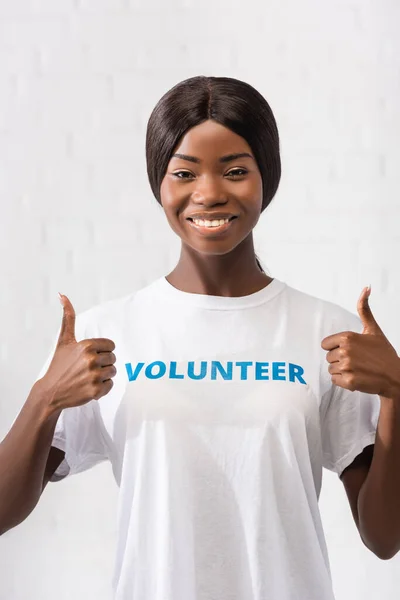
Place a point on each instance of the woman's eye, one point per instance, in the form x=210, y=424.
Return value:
x=181, y=173
x=233, y=173
x=237, y=172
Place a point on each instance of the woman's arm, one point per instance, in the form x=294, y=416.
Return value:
x=379, y=497
x=78, y=373
x=26, y=463
x=367, y=362
x=353, y=478
x=372, y=484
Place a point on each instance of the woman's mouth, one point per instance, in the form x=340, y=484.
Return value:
x=214, y=226
x=211, y=227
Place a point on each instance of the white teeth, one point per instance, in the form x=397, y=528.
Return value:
x=214, y=223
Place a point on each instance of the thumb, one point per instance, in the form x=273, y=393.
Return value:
x=67, y=332
x=365, y=313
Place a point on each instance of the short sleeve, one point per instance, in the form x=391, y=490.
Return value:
x=348, y=426
x=348, y=419
x=78, y=432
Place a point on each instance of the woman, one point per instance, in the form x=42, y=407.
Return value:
x=217, y=409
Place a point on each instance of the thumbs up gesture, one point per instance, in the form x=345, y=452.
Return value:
x=79, y=371
x=364, y=361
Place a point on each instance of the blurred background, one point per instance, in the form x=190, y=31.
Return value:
x=78, y=81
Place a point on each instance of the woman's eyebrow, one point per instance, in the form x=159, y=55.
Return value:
x=223, y=159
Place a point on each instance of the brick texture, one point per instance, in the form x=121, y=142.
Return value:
x=78, y=80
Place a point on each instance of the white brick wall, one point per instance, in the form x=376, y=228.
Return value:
x=78, y=80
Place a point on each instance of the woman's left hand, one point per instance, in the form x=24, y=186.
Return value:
x=364, y=361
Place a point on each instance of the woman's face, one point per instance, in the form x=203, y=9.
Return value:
x=204, y=183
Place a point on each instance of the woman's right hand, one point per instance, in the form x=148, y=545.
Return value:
x=79, y=371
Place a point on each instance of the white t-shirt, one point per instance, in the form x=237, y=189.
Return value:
x=220, y=420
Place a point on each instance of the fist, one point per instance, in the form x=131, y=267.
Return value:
x=365, y=361
x=79, y=371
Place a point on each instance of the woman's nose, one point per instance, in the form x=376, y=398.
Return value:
x=209, y=190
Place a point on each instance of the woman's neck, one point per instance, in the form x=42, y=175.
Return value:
x=234, y=274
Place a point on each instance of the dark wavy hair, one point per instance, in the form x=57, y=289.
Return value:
x=230, y=102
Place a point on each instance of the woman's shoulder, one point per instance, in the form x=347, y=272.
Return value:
x=119, y=307
x=330, y=314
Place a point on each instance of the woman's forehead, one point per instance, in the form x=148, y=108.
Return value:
x=211, y=139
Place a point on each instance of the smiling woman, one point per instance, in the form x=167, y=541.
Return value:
x=230, y=102
x=218, y=160
x=217, y=410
